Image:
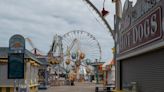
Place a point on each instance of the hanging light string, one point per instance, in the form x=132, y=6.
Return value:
x=104, y=12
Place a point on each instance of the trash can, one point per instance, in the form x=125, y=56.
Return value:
x=108, y=89
x=72, y=82
x=96, y=89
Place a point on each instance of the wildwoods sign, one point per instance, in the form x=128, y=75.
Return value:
x=145, y=31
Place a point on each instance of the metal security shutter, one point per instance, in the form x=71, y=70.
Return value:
x=7, y=89
x=146, y=69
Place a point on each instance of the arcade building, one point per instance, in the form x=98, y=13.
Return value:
x=31, y=66
x=140, y=47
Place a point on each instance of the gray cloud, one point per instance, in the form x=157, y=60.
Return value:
x=40, y=20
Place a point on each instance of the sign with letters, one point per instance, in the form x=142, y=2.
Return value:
x=141, y=25
x=16, y=57
x=145, y=31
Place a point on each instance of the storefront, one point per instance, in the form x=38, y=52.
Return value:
x=140, y=46
x=30, y=81
x=98, y=72
x=109, y=72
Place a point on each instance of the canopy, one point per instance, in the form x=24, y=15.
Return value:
x=111, y=62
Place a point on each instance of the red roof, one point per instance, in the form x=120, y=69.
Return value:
x=112, y=62
x=108, y=67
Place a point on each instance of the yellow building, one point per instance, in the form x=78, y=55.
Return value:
x=30, y=81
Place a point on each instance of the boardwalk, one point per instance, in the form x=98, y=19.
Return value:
x=79, y=87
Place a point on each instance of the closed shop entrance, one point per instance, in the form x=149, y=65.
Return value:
x=147, y=70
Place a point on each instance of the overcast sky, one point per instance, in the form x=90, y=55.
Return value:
x=40, y=20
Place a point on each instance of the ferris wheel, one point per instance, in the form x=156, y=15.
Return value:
x=79, y=46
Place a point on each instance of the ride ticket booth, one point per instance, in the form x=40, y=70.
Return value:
x=17, y=76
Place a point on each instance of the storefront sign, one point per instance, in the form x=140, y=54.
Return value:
x=16, y=57
x=17, y=44
x=147, y=30
x=16, y=66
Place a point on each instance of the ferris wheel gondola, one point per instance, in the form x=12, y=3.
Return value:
x=80, y=46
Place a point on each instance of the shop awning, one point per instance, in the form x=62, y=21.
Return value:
x=108, y=63
x=105, y=64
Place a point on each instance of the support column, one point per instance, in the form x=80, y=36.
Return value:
x=118, y=16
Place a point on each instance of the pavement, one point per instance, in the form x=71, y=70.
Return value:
x=78, y=87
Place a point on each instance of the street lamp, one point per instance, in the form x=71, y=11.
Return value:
x=118, y=16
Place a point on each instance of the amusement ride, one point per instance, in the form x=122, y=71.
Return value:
x=81, y=48
x=72, y=53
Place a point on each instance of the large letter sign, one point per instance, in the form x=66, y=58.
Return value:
x=145, y=31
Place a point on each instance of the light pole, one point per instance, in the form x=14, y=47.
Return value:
x=67, y=70
x=97, y=76
x=117, y=17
